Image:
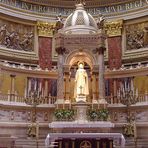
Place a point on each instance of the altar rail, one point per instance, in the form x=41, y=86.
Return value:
x=20, y=99
x=118, y=99
x=141, y=98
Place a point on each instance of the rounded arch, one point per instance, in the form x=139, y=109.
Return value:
x=77, y=55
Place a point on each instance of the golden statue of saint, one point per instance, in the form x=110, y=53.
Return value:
x=81, y=81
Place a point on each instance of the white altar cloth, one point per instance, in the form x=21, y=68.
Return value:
x=84, y=124
x=117, y=138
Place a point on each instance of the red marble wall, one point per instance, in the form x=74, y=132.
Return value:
x=45, y=52
x=114, y=58
x=114, y=52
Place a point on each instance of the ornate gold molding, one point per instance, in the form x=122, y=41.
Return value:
x=45, y=29
x=114, y=28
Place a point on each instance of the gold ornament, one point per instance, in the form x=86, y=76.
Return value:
x=114, y=28
x=45, y=29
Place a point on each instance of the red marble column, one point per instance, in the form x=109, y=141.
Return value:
x=45, y=52
x=114, y=52
x=114, y=59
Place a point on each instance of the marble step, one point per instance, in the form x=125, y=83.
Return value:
x=29, y=143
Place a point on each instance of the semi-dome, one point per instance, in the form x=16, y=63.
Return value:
x=80, y=22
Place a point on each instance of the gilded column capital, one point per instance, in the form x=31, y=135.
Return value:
x=45, y=29
x=114, y=28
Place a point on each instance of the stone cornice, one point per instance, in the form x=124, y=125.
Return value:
x=121, y=73
x=30, y=73
x=43, y=11
x=69, y=3
x=16, y=55
x=127, y=73
x=20, y=106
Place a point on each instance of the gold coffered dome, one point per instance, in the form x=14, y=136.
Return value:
x=80, y=22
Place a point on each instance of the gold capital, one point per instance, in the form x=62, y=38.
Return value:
x=45, y=29
x=114, y=28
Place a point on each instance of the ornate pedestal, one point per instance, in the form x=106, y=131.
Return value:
x=81, y=109
x=81, y=98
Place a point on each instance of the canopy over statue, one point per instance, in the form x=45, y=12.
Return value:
x=81, y=82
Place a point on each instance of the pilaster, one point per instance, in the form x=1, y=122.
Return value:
x=60, y=82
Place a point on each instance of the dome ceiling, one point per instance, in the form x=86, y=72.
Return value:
x=80, y=22
x=71, y=3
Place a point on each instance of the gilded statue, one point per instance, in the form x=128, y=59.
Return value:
x=81, y=81
x=59, y=23
x=100, y=21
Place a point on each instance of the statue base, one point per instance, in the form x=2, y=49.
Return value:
x=81, y=98
x=81, y=108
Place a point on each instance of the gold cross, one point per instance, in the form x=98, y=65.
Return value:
x=81, y=89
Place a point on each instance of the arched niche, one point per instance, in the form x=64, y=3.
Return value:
x=70, y=68
x=77, y=55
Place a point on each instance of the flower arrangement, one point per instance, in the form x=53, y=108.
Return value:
x=92, y=114
x=103, y=114
x=98, y=115
x=64, y=114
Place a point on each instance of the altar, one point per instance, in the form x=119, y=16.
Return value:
x=92, y=140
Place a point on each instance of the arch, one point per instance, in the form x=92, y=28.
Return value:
x=78, y=55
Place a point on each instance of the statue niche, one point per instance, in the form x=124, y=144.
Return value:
x=81, y=88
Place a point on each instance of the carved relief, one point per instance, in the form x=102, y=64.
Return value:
x=16, y=36
x=136, y=36
x=142, y=116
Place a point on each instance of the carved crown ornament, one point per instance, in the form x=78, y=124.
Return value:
x=114, y=28
x=46, y=29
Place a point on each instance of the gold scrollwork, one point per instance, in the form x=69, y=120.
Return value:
x=114, y=28
x=45, y=29
x=85, y=144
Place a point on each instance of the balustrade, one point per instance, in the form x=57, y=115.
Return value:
x=20, y=99
x=14, y=97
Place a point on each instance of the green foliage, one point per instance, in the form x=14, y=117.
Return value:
x=92, y=114
x=64, y=114
x=98, y=115
x=103, y=114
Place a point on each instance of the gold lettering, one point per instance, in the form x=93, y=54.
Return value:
x=25, y=6
x=112, y=9
x=31, y=7
x=119, y=7
x=137, y=4
x=128, y=6
x=41, y=9
x=106, y=9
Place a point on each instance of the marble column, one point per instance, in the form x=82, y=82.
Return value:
x=46, y=88
x=115, y=90
x=67, y=86
x=45, y=33
x=45, y=52
x=114, y=52
x=114, y=32
x=29, y=86
x=12, y=90
x=101, y=76
x=12, y=84
x=94, y=85
x=60, y=81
